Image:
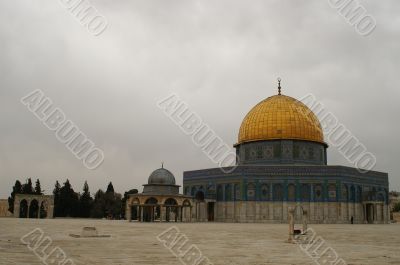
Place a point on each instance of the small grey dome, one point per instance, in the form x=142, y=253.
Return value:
x=162, y=176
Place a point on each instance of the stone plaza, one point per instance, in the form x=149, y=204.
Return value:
x=222, y=243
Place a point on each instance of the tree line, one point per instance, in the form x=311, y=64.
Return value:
x=68, y=203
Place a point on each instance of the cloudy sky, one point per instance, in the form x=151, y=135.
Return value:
x=221, y=57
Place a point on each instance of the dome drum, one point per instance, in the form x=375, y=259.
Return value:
x=273, y=152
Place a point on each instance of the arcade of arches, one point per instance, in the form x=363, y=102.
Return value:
x=144, y=208
x=33, y=206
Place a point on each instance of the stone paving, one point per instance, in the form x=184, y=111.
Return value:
x=221, y=243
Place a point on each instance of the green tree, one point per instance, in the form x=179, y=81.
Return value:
x=69, y=201
x=17, y=189
x=98, y=209
x=110, y=188
x=38, y=188
x=56, y=193
x=85, y=202
x=27, y=188
x=396, y=207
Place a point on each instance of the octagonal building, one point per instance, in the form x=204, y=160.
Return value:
x=282, y=163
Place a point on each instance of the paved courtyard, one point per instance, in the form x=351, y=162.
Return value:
x=136, y=243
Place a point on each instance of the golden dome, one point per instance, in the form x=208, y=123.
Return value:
x=280, y=117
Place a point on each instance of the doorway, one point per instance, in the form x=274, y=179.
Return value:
x=210, y=211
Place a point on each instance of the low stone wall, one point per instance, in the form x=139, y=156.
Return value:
x=4, y=209
x=396, y=217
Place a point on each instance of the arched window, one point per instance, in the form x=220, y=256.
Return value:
x=23, y=209
x=251, y=192
x=264, y=192
x=151, y=201
x=220, y=193
x=278, y=192
x=332, y=192
x=305, y=192
x=34, y=209
x=170, y=202
x=228, y=192
x=291, y=192
x=318, y=196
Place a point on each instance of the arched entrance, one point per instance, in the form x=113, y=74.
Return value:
x=171, y=212
x=23, y=209
x=33, y=206
x=150, y=210
x=34, y=210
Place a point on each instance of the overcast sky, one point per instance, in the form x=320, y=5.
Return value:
x=221, y=57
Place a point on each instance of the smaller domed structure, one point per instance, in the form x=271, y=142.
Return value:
x=161, y=181
x=162, y=176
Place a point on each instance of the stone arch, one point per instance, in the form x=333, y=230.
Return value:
x=151, y=200
x=34, y=209
x=33, y=206
x=23, y=209
x=186, y=203
x=171, y=202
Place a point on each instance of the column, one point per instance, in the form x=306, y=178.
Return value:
x=128, y=213
x=39, y=206
x=16, y=208
x=162, y=213
x=141, y=213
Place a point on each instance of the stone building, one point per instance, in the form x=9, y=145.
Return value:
x=4, y=208
x=33, y=206
x=160, y=201
x=282, y=162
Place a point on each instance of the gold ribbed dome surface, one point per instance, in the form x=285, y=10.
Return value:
x=280, y=117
